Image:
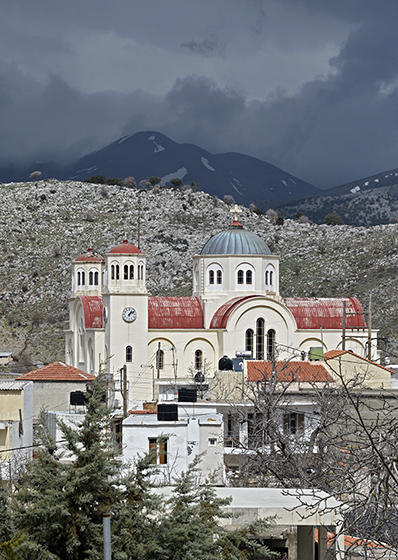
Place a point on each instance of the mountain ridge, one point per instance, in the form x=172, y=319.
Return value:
x=149, y=153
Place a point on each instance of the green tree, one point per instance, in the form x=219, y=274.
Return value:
x=154, y=180
x=10, y=541
x=176, y=182
x=60, y=505
x=192, y=528
x=333, y=220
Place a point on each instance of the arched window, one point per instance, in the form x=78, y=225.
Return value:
x=131, y=272
x=140, y=272
x=269, y=275
x=159, y=359
x=271, y=345
x=115, y=272
x=129, y=354
x=240, y=276
x=80, y=277
x=260, y=339
x=93, y=277
x=126, y=271
x=211, y=276
x=198, y=359
x=249, y=342
x=249, y=277
x=219, y=277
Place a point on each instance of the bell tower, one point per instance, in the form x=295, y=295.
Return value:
x=125, y=314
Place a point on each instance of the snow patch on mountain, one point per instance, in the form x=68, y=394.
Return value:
x=158, y=147
x=206, y=163
x=179, y=174
x=236, y=188
x=284, y=182
x=124, y=138
x=355, y=189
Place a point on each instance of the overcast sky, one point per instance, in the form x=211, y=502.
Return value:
x=308, y=85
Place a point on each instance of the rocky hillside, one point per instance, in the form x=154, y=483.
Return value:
x=46, y=225
x=358, y=207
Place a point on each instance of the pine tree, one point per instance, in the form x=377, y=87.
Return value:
x=61, y=505
x=192, y=529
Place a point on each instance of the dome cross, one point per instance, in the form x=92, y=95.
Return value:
x=236, y=210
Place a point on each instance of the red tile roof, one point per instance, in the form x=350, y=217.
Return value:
x=125, y=248
x=288, y=372
x=57, y=371
x=90, y=256
x=174, y=313
x=336, y=353
x=326, y=313
x=92, y=309
x=221, y=316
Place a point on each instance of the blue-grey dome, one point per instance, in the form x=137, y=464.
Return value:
x=235, y=241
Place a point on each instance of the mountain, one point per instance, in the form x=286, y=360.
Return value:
x=369, y=201
x=47, y=224
x=146, y=154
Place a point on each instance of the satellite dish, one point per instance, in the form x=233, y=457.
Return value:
x=199, y=377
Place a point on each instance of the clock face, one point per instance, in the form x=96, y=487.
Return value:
x=129, y=314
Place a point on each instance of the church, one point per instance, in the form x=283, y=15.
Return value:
x=235, y=310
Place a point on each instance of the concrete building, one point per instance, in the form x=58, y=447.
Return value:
x=175, y=444
x=16, y=427
x=53, y=385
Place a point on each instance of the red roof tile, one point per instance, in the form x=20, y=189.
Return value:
x=90, y=256
x=221, y=316
x=92, y=309
x=288, y=372
x=174, y=313
x=57, y=371
x=336, y=353
x=326, y=313
x=125, y=248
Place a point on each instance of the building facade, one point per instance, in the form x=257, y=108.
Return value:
x=235, y=306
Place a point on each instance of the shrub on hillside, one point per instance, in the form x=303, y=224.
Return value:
x=333, y=220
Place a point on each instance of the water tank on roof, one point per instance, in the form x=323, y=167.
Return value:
x=225, y=364
x=187, y=394
x=167, y=412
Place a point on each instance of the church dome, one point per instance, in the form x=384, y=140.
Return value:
x=235, y=241
x=125, y=248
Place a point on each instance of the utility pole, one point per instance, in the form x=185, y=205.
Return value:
x=158, y=361
x=370, y=328
x=106, y=526
x=125, y=397
x=344, y=317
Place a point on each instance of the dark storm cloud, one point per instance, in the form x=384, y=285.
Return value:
x=206, y=47
x=70, y=85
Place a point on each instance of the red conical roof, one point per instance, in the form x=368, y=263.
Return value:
x=90, y=256
x=125, y=248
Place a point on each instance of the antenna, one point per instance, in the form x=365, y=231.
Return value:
x=139, y=221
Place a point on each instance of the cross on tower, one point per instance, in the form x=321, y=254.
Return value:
x=236, y=209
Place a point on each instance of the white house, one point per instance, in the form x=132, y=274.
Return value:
x=175, y=443
x=235, y=306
